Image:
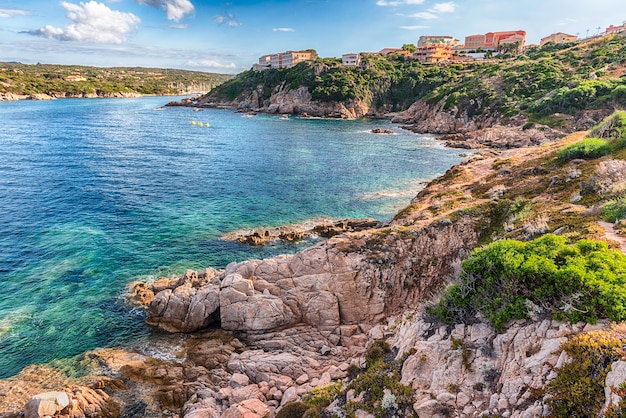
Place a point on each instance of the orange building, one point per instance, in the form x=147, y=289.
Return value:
x=558, y=38
x=492, y=40
x=615, y=29
x=433, y=53
x=474, y=41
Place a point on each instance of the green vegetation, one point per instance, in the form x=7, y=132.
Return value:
x=614, y=210
x=78, y=81
x=379, y=385
x=578, y=390
x=588, y=148
x=545, y=277
x=563, y=78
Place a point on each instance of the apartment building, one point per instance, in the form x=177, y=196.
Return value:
x=351, y=60
x=474, y=42
x=431, y=54
x=558, y=38
x=283, y=59
x=616, y=29
x=492, y=40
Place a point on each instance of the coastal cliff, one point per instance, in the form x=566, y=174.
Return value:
x=340, y=328
x=555, y=86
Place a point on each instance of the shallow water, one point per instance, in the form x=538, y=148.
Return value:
x=97, y=193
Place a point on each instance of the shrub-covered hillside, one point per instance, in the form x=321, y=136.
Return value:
x=542, y=81
x=75, y=81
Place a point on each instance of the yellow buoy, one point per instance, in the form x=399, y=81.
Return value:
x=207, y=124
x=199, y=123
x=193, y=122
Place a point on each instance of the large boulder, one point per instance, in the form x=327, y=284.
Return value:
x=46, y=404
x=185, y=308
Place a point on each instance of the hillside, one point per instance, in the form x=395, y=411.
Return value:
x=543, y=82
x=19, y=80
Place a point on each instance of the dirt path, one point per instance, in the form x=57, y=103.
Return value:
x=612, y=234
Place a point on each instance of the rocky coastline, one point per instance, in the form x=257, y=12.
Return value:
x=263, y=335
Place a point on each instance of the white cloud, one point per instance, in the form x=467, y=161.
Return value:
x=448, y=7
x=207, y=63
x=423, y=15
x=93, y=22
x=13, y=12
x=398, y=3
x=283, y=29
x=416, y=27
x=175, y=9
x=179, y=26
x=228, y=19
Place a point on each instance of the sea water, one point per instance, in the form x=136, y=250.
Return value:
x=95, y=193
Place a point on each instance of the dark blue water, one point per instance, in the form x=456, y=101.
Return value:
x=97, y=193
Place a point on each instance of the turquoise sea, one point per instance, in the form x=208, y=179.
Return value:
x=95, y=193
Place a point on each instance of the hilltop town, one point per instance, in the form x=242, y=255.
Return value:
x=432, y=49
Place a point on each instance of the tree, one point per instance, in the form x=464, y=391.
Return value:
x=409, y=47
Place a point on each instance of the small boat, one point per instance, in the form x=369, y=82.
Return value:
x=197, y=109
x=284, y=117
x=159, y=108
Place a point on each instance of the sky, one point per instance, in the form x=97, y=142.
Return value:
x=228, y=37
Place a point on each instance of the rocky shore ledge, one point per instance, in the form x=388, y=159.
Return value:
x=268, y=338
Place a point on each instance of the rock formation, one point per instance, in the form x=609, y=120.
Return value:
x=250, y=339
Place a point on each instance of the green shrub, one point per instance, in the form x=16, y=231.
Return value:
x=614, y=210
x=578, y=389
x=588, y=148
x=545, y=277
x=376, y=351
x=292, y=410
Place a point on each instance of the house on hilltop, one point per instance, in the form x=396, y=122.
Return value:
x=492, y=41
x=284, y=59
x=616, y=29
x=558, y=38
x=351, y=60
x=431, y=54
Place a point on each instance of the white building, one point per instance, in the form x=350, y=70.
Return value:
x=351, y=60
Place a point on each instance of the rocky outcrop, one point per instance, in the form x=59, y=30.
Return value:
x=291, y=233
x=501, y=137
x=285, y=100
x=437, y=119
x=344, y=281
x=74, y=402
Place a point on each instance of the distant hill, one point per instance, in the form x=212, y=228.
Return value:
x=18, y=79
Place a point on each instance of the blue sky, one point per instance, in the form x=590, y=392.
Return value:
x=228, y=37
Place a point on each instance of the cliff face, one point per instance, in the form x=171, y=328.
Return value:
x=284, y=100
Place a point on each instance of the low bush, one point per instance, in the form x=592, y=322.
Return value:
x=578, y=389
x=588, y=148
x=614, y=210
x=545, y=277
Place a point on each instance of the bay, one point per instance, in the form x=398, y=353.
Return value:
x=95, y=193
